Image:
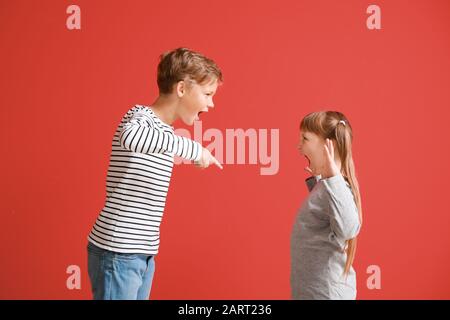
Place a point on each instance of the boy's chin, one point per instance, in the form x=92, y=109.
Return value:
x=189, y=121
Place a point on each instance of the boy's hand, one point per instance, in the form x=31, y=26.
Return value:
x=206, y=160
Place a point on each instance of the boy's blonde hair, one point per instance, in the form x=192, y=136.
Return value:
x=335, y=126
x=184, y=64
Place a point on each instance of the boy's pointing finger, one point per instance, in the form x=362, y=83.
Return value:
x=216, y=162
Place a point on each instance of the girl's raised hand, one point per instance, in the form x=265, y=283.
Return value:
x=330, y=168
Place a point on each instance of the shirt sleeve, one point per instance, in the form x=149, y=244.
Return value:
x=140, y=134
x=343, y=212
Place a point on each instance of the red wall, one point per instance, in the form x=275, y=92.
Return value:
x=225, y=234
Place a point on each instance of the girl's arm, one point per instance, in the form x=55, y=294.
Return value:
x=343, y=212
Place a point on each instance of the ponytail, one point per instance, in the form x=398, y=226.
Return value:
x=344, y=146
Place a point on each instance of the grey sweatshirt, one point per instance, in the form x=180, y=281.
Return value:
x=327, y=218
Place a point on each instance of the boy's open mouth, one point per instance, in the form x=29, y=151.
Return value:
x=198, y=115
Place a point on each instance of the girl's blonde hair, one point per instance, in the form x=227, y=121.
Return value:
x=335, y=126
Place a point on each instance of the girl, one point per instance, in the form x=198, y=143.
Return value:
x=323, y=240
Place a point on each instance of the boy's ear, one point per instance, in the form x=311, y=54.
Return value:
x=180, y=88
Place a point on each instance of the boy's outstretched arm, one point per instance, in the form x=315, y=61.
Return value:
x=141, y=135
x=206, y=159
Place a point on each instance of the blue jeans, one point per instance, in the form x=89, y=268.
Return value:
x=119, y=276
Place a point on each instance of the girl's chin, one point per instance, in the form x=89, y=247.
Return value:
x=313, y=168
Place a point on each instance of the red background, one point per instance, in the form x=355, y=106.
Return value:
x=225, y=235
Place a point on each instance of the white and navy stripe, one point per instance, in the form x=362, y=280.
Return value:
x=138, y=179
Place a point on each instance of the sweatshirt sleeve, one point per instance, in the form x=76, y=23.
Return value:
x=343, y=212
x=140, y=134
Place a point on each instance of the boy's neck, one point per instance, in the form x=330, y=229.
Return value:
x=165, y=108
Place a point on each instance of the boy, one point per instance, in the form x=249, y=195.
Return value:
x=125, y=237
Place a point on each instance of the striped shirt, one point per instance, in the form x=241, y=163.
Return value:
x=138, y=179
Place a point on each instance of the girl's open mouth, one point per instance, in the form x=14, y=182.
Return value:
x=309, y=161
